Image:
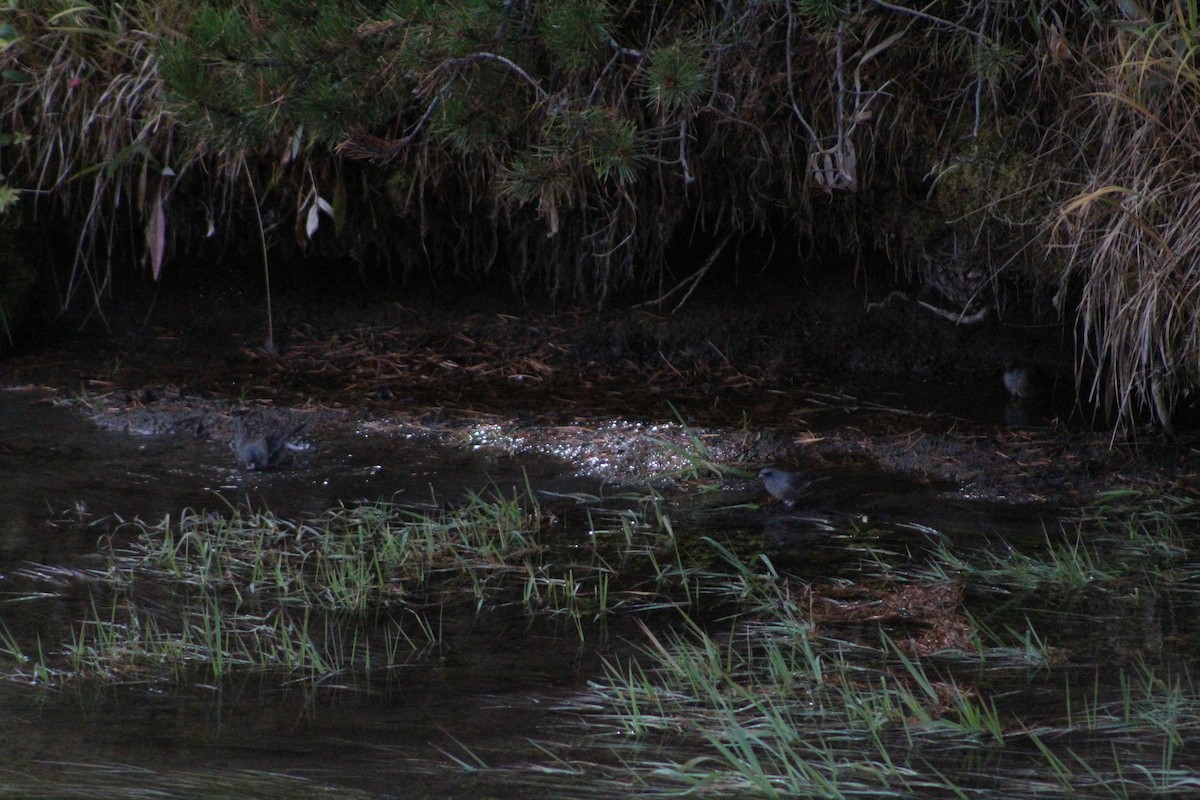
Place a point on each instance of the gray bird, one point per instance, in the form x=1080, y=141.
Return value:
x=786, y=486
x=264, y=451
x=1023, y=382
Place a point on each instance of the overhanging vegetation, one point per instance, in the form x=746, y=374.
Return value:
x=985, y=147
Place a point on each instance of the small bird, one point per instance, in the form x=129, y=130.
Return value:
x=1023, y=381
x=786, y=486
x=263, y=451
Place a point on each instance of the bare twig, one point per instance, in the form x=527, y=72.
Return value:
x=507, y=62
x=364, y=146
x=687, y=173
x=957, y=317
x=692, y=280
x=927, y=17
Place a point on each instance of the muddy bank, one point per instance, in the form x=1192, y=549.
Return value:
x=819, y=376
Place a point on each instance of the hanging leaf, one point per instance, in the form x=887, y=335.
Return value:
x=156, y=233
x=313, y=219
x=312, y=222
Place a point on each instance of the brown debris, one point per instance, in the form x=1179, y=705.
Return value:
x=920, y=618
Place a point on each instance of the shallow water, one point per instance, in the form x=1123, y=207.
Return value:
x=260, y=740
x=69, y=481
x=494, y=683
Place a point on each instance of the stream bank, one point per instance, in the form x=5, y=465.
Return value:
x=783, y=371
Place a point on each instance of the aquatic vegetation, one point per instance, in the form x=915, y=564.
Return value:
x=201, y=595
x=1119, y=547
x=698, y=463
x=907, y=685
x=962, y=667
x=776, y=708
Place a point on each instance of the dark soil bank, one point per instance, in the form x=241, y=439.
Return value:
x=777, y=370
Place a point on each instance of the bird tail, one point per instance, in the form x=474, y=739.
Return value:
x=239, y=435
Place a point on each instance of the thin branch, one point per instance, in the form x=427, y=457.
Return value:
x=364, y=146
x=957, y=317
x=687, y=173
x=980, y=44
x=512, y=65
x=927, y=17
x=791, y=85
x=693, y=280
x=624, y=51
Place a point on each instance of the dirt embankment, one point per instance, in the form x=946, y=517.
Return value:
x=816, y=376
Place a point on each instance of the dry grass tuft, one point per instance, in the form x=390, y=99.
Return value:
x=1130, y=228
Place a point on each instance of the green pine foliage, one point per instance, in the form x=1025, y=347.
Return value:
x=614, y=149
x=985, y=147
x=821, y=17
x=575, y=33
x=246, y=78
x=676, y=76
x=533, y=108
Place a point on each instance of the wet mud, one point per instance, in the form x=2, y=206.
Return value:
x=803, y=375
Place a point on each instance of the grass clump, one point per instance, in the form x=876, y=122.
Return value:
x=251, y=591
x=917, y=684
x=781, y=711
x=344, y=595
x=355, y=559
x=815, y=694
x=1120, y=543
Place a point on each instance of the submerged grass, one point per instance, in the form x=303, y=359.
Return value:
x=798, y=716
x=818, y=692
x=698, y=464
x=350, y=559
x=814, y=716
x=912, y=682
x=201, y=595
x=1118, y=543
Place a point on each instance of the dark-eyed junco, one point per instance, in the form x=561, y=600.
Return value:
x=265, y=450
x=783, y=485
